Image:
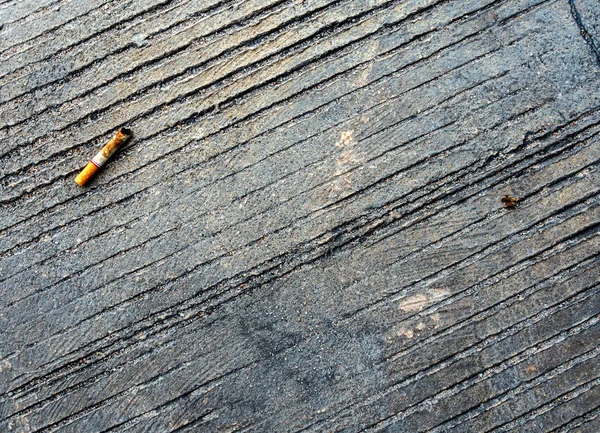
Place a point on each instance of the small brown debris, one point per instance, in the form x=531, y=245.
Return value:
x=530, y=369
x=510, y=202
x=101, y=157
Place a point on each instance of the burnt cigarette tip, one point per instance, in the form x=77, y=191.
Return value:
x=126, y=131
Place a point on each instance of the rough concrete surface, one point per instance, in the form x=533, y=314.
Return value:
x=306, y=232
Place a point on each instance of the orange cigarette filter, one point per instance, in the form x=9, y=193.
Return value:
x=101, y=157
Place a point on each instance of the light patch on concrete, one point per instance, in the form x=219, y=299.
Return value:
x=419, y=301
x=403, y=332
x=346, y=137
x=349, y=157
x=414, y=303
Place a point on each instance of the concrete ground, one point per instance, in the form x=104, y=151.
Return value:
x=306, y=232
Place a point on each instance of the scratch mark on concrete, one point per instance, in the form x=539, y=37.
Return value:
x=587, y=36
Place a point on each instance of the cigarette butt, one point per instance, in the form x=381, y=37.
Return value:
x=101, y=157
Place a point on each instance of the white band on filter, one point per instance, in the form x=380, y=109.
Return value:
x=99, y=160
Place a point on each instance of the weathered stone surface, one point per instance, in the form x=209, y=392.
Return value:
x=306, y=232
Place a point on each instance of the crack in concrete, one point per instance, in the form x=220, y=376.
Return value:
x=585, y=34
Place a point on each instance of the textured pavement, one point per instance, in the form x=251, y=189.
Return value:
x=306, y=232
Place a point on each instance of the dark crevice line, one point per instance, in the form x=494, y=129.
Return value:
x=577, y=422
x=54, y=255
x=511, y=393
x=149, y=382
x=192, y=69
x=500, y=366
x=536, y=411
x=524, y=386
x=326, y=31
x=525, y=11
x=237, y=369
x=267, y=131
x=232, y=100
x=529, y=227
x=374, y=221
x=163, y=259
x=270, y=208
x=487, y=341
x=244, y=143
x=164, y=5
x=50, y=30
x=6, y=356
x=567, y=273
x=585, y=33
x=503, y=21
x=219, y=231
x=172, y=402
x=561, y=246
x=195, y=422
x=568, y=123
x=100, y=263
x=165, y=319
x=48, y=6
x=221, y=31
x=535, y=317
x=593, y=231
x=516, y=390
x=174, y=314
x=238, y=121
x=378, y=221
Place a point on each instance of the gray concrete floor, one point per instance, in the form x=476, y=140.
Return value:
x=306, y=232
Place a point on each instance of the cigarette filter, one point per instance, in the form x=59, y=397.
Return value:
x=101, y=157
